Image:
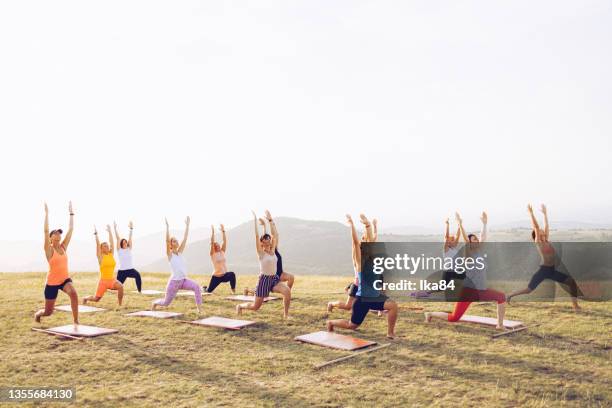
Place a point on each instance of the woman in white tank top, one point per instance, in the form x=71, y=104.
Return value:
x=178, y=276
x=268, y=279
x=126, y=264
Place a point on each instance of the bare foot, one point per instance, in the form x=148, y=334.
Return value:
x=238, y=310
x=153, y=306
x=246, y=292
x=84, y=301
x=391, y=336
x=577, y=308
x=37, y=317
x=427, y=317
x=501, y=328
x=330, y=326
x=330, y=307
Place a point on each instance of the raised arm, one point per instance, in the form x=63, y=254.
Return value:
x=546, y=228
x=70, y=227
x=212, y=240
x=111, y=242
x=356, y=252
x=534, y=222
x=184, y=243
x=446, y=234
x=131, y=227
x=375, y=225
x=224, y=243
x=262, y=222
x=368, y=227
x=117, y=233
x=47, y=240
x=461, y=229
x=483, y=232
x=257, y=243
x=98, y=249
x=168, y=246
x=273, y=230
x=446, y=230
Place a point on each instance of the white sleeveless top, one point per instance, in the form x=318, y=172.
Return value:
x=267, y=264
x=218, y=260
x=179, y=269
x=125, y=259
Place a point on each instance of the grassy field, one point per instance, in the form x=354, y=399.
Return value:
x=150, y=362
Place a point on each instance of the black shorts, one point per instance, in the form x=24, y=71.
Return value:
x=52, y=290
x=546, y=272
x=361, y=309
x=352, y=289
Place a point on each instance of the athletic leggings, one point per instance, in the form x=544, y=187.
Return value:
x=130, y=273
x=217, y=280
x=474, y=295
x=173, y=287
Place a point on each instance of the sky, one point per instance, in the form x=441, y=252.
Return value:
x=404, y=110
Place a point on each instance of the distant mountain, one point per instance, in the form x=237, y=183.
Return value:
x=308, y=247
x=558, y=225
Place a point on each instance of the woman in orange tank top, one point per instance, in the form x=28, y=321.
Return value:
x=57, y=277
x=107, y=281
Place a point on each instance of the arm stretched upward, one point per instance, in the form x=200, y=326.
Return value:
x=483, y=232
x=356, y=244
x=546, y=227
x=257, y=243
x=168, y=245
x=184, y=242
x=70, y=227
x=117, y=236
x=273, y=230
x=224, y=243
x=98, y=249
x=534, y=222
x=212, y=240
x=47, y=241
x=461, y=229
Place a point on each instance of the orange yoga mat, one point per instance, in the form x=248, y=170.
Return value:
x=334, y=340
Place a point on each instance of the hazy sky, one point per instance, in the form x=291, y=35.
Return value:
x=406, y=110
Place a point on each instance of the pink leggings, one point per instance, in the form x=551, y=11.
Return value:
x=173, y=287
x=474, y=295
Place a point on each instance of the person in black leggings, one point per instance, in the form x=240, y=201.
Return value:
x=217, y=257
x=547, y=268
x=126, y=265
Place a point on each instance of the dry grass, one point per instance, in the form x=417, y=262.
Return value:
x=565, y=361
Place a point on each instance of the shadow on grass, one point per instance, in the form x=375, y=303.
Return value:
x=205, y=375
